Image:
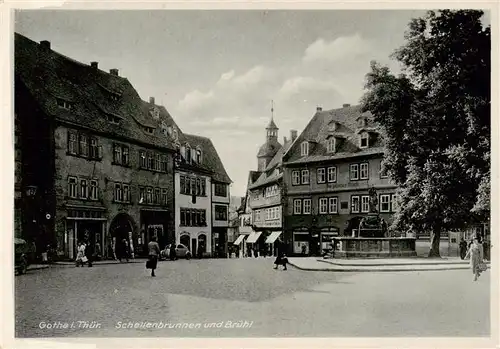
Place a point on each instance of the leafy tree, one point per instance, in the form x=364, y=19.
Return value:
x=435, y=118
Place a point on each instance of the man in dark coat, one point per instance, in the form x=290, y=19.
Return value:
x=281, y=256
x=89, y=252
x=463, y=249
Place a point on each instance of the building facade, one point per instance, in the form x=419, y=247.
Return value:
x=328, y=172
x=202, y=196
x=100, y=159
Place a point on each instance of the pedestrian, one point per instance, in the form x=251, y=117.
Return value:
x=125, y=249
x=463, y=249
x=476, y=255
x=89, y=253
x=173, y=252
x=153, y=253
x=200, y=251
x=80, y=255
x=281, y=256
x=304, y=249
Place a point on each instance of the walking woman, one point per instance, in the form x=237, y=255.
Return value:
x=154, y=252
x=475, y=253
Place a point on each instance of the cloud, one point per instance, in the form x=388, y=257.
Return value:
x=235, y=109
x=341, y=48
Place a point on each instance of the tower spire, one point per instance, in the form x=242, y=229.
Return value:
x=272, y=110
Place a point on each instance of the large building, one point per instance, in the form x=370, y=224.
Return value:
x=201, y=197
x=264, y=195
x=328, y=172
x=97, y=161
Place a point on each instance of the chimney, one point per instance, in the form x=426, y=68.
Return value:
x=113, y=72
x=318, y=109
x=151, y=100
x=45, y=44
x=345, y=105
x=293, y=135
x=94, y=64
x=284, y=139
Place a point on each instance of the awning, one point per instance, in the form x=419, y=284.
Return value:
x=246, y=229
x=253, y=237
x=272, y=238
x=239, y=239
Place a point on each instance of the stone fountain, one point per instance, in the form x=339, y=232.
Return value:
x=372, y=240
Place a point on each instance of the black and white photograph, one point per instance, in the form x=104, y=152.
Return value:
x=252, y=173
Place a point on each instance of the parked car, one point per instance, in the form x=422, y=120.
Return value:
x=21, y=253
x=181, y=250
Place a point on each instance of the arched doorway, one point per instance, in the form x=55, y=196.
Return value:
x=121, y=227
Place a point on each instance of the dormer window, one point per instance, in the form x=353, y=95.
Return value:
x=334, y=126
x=304, y=148
x=362, y=122
x=149, y=130
x=61, y=103
x=175, y=136
x=331, y=145
x=183, y=152
x=188, y=154
x=198, y=155
x=113, y=119
x=364, y=138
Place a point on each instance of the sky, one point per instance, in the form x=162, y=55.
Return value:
x=217, y=71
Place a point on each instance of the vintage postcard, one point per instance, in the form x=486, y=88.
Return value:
x=293, y=176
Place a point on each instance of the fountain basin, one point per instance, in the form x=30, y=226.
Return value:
x=374, y=247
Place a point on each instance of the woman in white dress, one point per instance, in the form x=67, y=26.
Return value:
x=476, y=254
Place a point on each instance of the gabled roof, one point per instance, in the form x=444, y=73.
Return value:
x=210, y=158
x=94, y=95
x=319, y=130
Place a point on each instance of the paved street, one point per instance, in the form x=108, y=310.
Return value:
x=273, y=303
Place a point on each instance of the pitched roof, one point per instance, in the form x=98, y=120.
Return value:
x=271, y=125
x=343, y=123
x=210, y=158
x=94, y=95
x=269, y=149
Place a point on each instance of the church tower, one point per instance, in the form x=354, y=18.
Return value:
x=269, y=149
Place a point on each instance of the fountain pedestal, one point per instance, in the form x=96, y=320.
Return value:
x=368, y=247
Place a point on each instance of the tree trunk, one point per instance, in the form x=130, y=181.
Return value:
x=435, y=240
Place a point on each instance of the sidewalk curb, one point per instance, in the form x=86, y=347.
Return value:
x=359, y=270
x=392, y=265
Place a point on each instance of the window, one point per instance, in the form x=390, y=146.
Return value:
x=188, y=154
x=203, y=218
x=323, y=205
x=149, y=195
x=151, y=162
x=332, y=174
x=364, y=140
x=383, y=172
x=158, y=162
x=354, y=204
x=142, y=195
x=72, y=143
x=394, y=204
x=297, y=206
x=203, y=187
x=321, y=175
x=344, y=205
x=84, y=145
x=354, y=172
x=157, y=196
x=164, y=196
x=94, y=148
x=182, y=184
x=220, y=189
x=331, y=145
x=64, y=104
x=363, y=170
x=72, y=187
x=188, y=186
x=126, y=193
x=118, y=192
x=257, y=216
x=220, y=213
x=305, y=176
x=125, y=156
x=118, y=154
x=304, y=148
x=385, y=203
x=365, y=204
x=143, y=162
x=84, y=189
x=93, y=190
x=333, y=205
x=306, y=206
x=183, y=217
x=193, y=186
x=164, y=163
x=198, y=156
x=198, y=187
x=295, y=177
